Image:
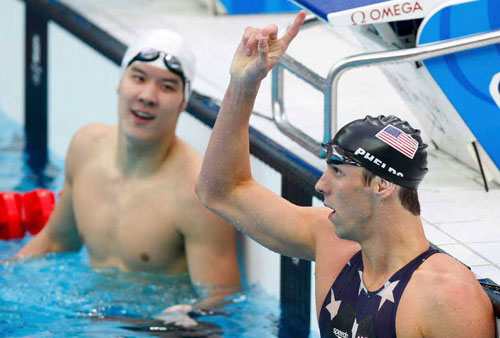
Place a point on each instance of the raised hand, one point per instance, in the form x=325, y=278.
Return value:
x=260, y=50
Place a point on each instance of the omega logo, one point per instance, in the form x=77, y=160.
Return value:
x=355, y=16
x=376, y=14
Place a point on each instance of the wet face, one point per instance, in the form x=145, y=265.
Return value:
x=351, y=201
x=150, y=100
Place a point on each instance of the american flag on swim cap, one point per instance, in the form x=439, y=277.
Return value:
x=399, y=140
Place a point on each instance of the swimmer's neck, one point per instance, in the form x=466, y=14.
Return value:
x=395, y=243
x=141, y=159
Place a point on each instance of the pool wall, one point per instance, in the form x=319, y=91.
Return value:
x=81, y=89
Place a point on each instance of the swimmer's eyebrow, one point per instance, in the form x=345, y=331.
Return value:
x=173, y=79
x=138, y=70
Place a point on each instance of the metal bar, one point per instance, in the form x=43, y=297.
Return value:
x=301, y=71
x=80, y=27
x=278, y=108
x=480, y=166
x=329, y=86
x=423, y=52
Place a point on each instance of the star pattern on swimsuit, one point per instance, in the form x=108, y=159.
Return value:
x=387, y=293
x=334, y=306
x=361, y=284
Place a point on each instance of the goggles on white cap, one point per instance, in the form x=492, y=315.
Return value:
x=171, y=62
x=163, y=48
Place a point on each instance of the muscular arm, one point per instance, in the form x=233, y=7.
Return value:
x=460, y=309
x=446, y=301
x=225, y=184
x=60, y=233
x=211, y=255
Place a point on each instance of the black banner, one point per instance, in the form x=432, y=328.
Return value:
x=36, y=89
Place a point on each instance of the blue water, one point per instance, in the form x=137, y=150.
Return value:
x=61, y=295
x=15, y=175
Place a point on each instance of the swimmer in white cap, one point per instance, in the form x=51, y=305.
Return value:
x=129, y=189
x=376, y=275
x=179, y=59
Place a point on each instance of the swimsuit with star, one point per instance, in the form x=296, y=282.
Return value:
x=351, y=311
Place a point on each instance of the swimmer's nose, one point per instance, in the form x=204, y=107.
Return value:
x=149, y=95
x=320, y=185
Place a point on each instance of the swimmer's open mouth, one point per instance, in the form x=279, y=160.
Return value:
x=143, y=115
x=329, y=207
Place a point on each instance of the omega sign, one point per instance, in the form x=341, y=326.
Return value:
x=386, y=13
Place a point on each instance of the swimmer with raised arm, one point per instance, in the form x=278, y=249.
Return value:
x=376, y=275
x=129, y=189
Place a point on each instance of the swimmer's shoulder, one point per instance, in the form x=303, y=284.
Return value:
x=180, y=173
x=187, y=160
x=89, y=141
x=441, y=268
x=443, y=291
x=445, y=275
x=92, y=135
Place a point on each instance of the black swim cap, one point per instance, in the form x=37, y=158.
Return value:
x=386, y=146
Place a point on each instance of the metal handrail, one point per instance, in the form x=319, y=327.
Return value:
x=329, y=85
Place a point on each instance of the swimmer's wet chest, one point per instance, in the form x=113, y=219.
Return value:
x=137, y=222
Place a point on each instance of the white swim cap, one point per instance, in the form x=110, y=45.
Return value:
x=171, y=43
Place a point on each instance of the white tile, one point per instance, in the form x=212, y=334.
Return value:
x=486, y=205
x=439, y=212
x=487, y=271
x=489, y=250
x=463, y=254
x=437, y=236
x=474, y=231
x=429, y=194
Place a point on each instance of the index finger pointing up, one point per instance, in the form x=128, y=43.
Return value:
x=292, y=32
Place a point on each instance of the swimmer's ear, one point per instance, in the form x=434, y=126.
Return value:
x=385, y=189
x=183, y=106
x=118, y=86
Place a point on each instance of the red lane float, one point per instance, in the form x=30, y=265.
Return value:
x=11, y=224
x=27, y=212
x=38, y=205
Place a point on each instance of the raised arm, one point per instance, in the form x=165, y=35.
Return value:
x=225, y=184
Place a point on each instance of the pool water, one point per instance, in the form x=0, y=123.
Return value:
x=61, y=295
x=15, y=174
